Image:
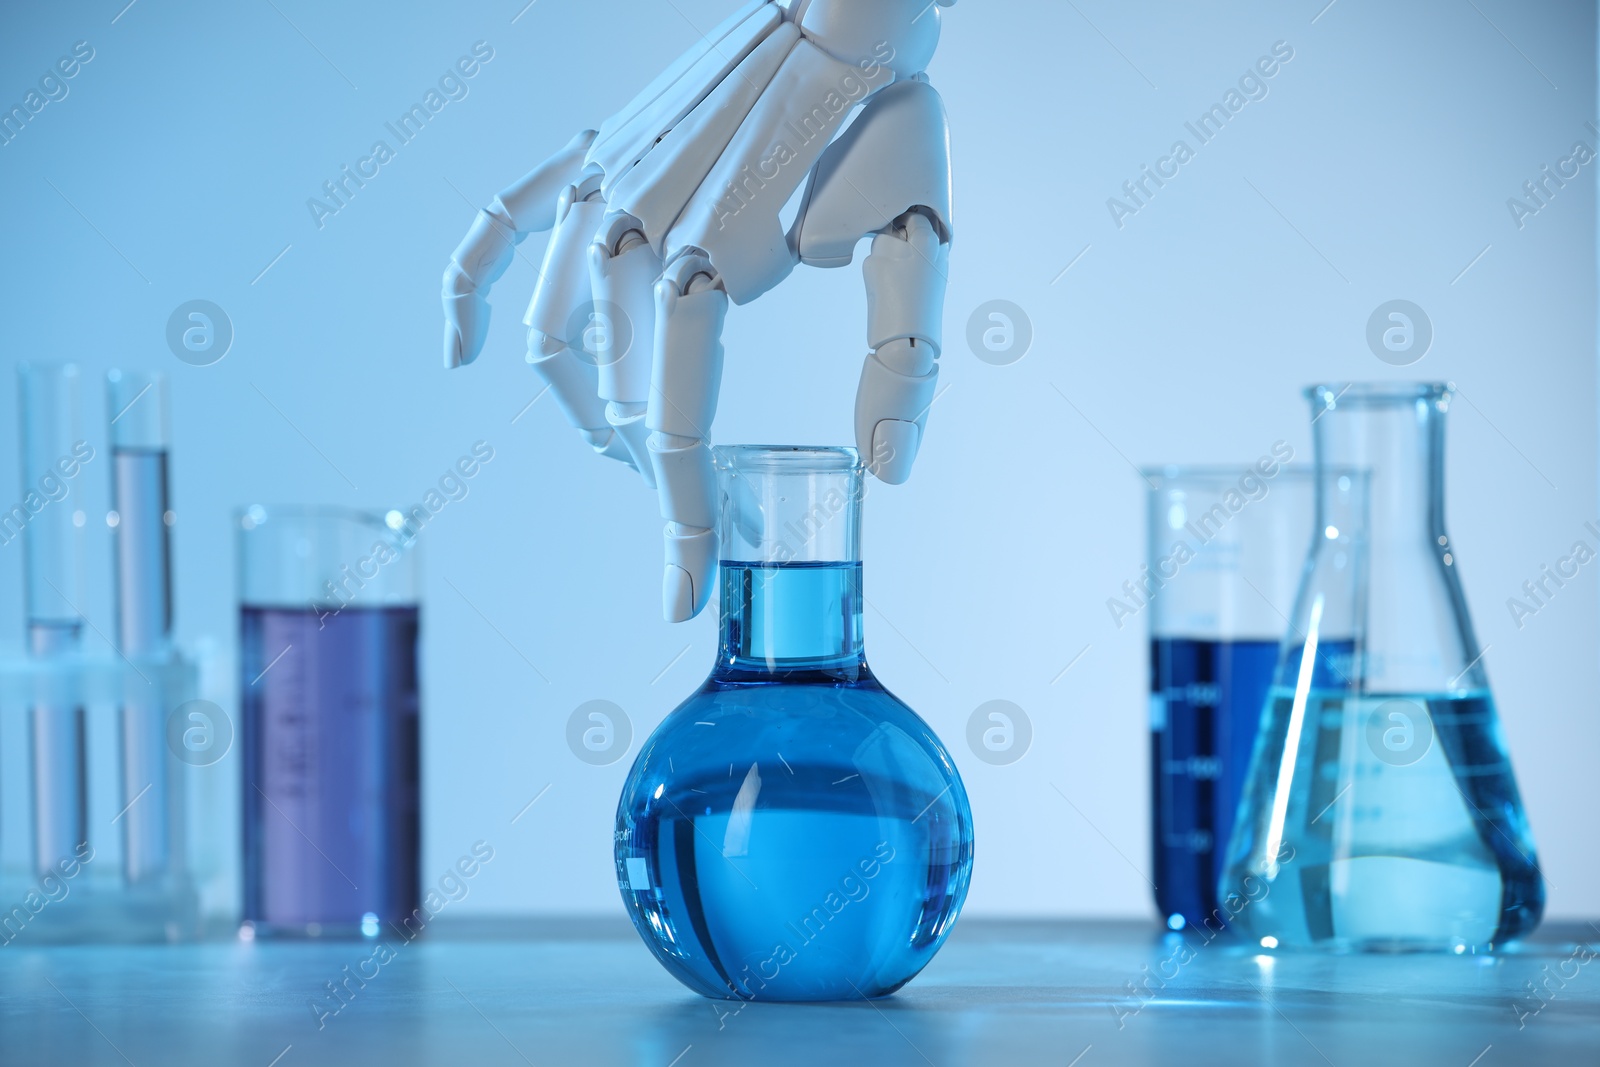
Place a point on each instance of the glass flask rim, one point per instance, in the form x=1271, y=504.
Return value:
x=266, y=563
x=139, y=424
x=1175, y=475
x=1330, y=395
x=787, y=459
x=119, y=375
x=1217, y=473
x=246, y=519
x=66, y=368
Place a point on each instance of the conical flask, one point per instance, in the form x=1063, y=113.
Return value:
x=1380, y=811
x=792, y=831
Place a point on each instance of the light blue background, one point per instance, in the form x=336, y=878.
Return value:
x=1377, y=168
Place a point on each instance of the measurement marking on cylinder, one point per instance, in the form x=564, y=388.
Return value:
x=847, y=777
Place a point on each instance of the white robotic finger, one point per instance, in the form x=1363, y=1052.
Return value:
x=905, y=276
x=478, y=262
x=466, y=321
x=557, y=320
x=572, y=382
x=634, y=131
x=734, y=215
x=889, y=175
x=486, y=251
x=623, y=269
x=905, y=302
x=657, y=188
x=897, y=388
x=686, y=480
x=563, y=289
x=691, y=308
x=530, y=203
x=689, y=552
x=687, y=373
x=894, y=157
x=860, y=33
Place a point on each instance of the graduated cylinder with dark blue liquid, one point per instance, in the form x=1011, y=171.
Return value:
x=329, y=734
x=1225, y=549
x=793, y=831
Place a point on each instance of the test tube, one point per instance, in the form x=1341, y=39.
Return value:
x=141, y=520
x=52, y=449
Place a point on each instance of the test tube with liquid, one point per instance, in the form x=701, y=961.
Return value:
x=52, y=450
x=141, y=521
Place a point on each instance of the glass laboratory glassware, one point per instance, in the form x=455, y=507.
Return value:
x=102, y=785
x=329, y=734
x=792, y=831
x=1226, y=545
x=142, y=519
x=53, y=444
x=1380, y=812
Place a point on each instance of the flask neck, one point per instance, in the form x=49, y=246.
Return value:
x=1381, y=592
x=1397, y=448
x=782, y=618
x=789, y=523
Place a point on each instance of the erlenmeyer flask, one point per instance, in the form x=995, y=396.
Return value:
x=1380, y=812
x=793, y=831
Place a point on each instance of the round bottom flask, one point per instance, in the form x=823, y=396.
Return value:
x=793, y=831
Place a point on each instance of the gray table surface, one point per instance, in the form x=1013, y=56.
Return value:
x=586, y=992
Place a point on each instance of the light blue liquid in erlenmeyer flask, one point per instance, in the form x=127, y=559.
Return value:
x=1403, y=821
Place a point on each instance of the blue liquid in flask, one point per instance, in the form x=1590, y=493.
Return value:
x=1403, y=827
x=792, y=831
x=330, y=744
x=1206, y=703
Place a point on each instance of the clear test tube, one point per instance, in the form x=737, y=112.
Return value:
x=53, y=448
x=141, y=521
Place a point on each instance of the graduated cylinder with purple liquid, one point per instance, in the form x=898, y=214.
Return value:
x=329, y=737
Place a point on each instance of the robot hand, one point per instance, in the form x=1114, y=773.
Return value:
x=671, y=210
